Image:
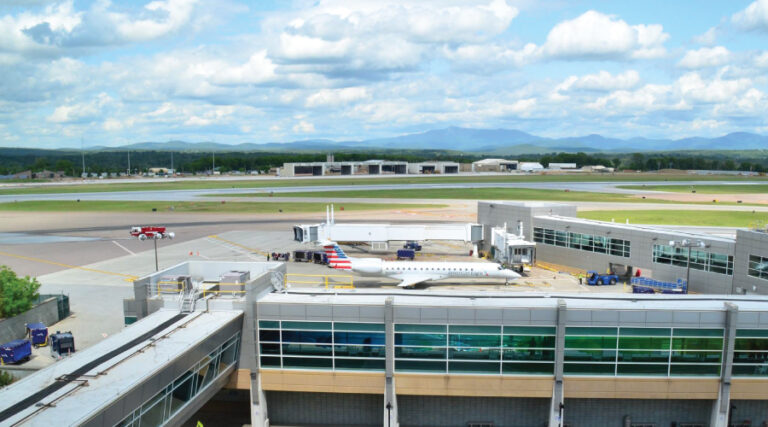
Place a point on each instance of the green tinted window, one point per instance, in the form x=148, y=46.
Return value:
x=750, y=357
x=307, y=349
x=752, y=333
x=307, y=362
x=269, y=324
x=641, y=369
x=644, y=343
x=464, y=340
x=420, y=352
x=420, y=339
x=474, y=329
x=474, y=367
x=749, y=370
x=702, y=370
x=590, y=342
x=590, y=355
x=529, y=341
x=697, y=343
x=681, y=332
x=419, y=366
x=270, y=362
x=359, y=351
x=751, y=344
x=588, y=369
x=528, y=368
x=529, y=330
x=360, y=364
x=373, y=327
x=696, y=356
x=473, y=353
x=646, y=332
x=270, y=348
x=589, y=331
x=643, y=356
x=320, y=326
x=420, y=328
x=529, y=355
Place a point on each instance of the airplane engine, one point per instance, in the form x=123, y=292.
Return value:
x=157, y=236
x=368, y=266
x=142, y=237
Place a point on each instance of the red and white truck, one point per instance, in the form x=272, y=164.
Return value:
x=144, y=233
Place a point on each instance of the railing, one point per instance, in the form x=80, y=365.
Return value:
x=330, y=281
x=238, y=289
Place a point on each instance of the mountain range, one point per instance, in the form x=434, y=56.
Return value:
x=487, y=141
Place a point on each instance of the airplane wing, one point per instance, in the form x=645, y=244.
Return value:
x=411, y=280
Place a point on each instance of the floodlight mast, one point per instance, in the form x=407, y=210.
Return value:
x=685, y=243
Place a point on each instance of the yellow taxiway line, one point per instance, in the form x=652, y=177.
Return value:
x=213, y=236
x=128, y=277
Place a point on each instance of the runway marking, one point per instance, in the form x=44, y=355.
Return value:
x=124, y=248
x=214, y=236
x=128, y=277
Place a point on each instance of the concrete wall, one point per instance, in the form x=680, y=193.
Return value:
x=15, y=327
x=749, y=242
x=459, y=411
x=331, y=409
x=611, y=412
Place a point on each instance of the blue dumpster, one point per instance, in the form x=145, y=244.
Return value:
x=15, y=351
x=38, y=334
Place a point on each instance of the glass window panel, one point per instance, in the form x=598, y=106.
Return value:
x=529, y=355
x=752, y=333
x=643, y=356
x=464, y=340
x=373, y=327
x=421, y=339
x=473, y=353
x=529, y=341
x=750, y=357
x=153, y=411
x=697, y=343
x=529, y=330
x=590, y=355
x=589, y=369
x=322, y=326
x=590, y=342
x=682, y=332
x=420, y=352
x=474, y=367
x=229, y=354
x=360, y=351
x=360, y=364
x=271, y=362
x=419, y=366
x=270, y=348
x=181, y=394
x=751, y=344
x=359, y=338
x=269, y=336
x=694, y=370
x=696, y=357
x=646, y=332
x=308, y=362
x=474, y=329
x=528, y=368
x=644, y=343
x=585, y=331
x=600, y=244
x=269, y=324
x=208, y=372
x=641, y=369
x=561, y=238
x=307, y=336
x=420, y=328
x=750, y=370
x=307, y=349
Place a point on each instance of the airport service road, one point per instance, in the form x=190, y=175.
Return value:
x=199, y=195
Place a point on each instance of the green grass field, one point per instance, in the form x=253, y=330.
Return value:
x=681, y=217
x=704, y=189
x=213, y=207
x=213, y=183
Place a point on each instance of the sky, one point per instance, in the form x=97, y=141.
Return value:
x=119, y=72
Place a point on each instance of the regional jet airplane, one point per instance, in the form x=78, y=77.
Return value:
x=411, y=273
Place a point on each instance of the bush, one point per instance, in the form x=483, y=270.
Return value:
x=17, y=294
x=6, y=378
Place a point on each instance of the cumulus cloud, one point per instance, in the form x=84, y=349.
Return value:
x=336, y=97
x=304, y=126
x=597, y=35
x=602, y=81
x=705, y=57
x=707, y=38
x=754, y=17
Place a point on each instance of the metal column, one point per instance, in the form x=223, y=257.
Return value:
x=390, y=398
x=557, y=407
x=722, y=407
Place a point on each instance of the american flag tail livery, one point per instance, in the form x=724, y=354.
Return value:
x=336, y=257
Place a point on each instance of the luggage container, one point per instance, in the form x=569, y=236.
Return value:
x=406, y=254
x=38, y=334
x=15, y=351
x=62, y=344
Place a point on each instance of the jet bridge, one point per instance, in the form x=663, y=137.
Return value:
x=512, y=250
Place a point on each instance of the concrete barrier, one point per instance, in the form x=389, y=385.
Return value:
x=15, y=327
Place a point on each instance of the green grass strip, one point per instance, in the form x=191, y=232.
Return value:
x=702, y=218
x=704, y=189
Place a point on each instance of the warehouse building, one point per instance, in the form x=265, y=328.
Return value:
x=495, y=165
x=715, y=264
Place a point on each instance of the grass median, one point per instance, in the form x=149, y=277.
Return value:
x=704, y=189
x=199, y=207
x=702, y=218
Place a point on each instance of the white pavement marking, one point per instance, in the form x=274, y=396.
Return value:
x=124, y=248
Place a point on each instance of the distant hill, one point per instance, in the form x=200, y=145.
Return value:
x=490, y=141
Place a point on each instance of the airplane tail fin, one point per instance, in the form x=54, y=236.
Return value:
x=336, y=257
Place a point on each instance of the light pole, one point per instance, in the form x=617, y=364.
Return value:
x=685, y=243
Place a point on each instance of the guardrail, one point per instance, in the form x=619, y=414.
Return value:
x=237, y=289
x=330, y=281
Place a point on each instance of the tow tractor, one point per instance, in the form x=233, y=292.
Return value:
x=596, y=279
x=144, y=233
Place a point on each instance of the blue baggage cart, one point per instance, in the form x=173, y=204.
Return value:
x=38, y=334
x=15, y=351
